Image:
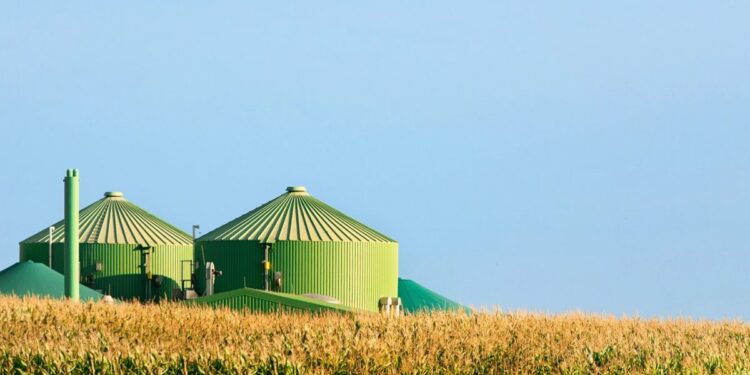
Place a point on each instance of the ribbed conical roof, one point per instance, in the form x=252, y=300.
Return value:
x=29, y=278
x=114, y=220
x=295, y=216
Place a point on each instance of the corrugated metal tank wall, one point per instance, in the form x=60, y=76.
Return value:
x=239, y=262
x=356, y=273
x=122, y=274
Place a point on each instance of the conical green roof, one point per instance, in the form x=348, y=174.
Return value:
x=416, y=298
x=29, y=278
x=115, y=220
x=295, y=216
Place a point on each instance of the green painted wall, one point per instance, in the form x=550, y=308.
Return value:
x=356, y=273
x=123, y=274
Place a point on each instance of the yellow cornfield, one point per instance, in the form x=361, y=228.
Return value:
x=49, y=336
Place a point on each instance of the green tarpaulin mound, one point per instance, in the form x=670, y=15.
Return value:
x=29, y=278
x=416, y=298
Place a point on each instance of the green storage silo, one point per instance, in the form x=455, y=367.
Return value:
x=315, y=249
x=124, y=251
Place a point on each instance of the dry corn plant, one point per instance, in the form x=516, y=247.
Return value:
x=49, y=336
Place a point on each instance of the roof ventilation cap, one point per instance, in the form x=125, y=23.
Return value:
x=296, y=189
x=113, y=194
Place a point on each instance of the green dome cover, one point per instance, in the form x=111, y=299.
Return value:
x=115, y=220
x=415, y=298
x=29, y=278
x=295, y=216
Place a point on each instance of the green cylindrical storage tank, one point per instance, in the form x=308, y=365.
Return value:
x=124, y=250
x=317, y=249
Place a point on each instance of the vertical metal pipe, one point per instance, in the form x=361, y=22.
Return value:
x=72, y=267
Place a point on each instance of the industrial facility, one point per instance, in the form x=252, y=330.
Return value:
x=300, y=245
x=125, y=251
x=293, y=253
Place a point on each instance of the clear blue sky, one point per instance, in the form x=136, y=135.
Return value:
x=530, y=155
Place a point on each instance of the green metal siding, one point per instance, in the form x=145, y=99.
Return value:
x=261, y=301
x=123, y=274
x=356, y=273
x=239, y=261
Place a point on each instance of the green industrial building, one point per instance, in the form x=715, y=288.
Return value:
x=124, y=251
x=299, y=245
x=293, y=253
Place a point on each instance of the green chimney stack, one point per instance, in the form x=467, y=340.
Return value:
x=72, y=268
